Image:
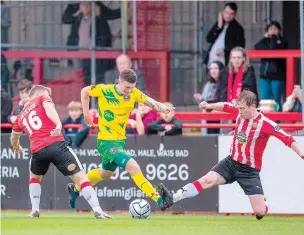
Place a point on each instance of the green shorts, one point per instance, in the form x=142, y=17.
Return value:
x=112, y=154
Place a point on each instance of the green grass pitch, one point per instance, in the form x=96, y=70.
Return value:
x=69, y=223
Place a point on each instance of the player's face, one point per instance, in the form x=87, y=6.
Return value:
x=125, y=87
x=237, y=59
x=144, y=109
x=245, y=111
x=74, y=113
x=123, y=63
x=228, y=14
x=167, y=116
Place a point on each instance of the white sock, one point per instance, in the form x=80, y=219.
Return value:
x=35, y=193
x=188, y=191
x=90, y=195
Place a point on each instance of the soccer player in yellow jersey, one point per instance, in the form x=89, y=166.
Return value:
x=115, y=103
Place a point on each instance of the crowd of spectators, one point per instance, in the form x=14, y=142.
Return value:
x=227, y=63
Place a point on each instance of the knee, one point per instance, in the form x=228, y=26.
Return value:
x=132, y=167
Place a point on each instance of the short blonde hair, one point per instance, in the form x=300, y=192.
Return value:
x=168, y=104
x=39, y=88
x=75, y=105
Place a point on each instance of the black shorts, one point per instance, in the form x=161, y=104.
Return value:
x=58, y=153
x=247, y=177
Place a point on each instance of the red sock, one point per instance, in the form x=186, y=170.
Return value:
x=198, y=186
x=85, y=184
x=34, y=181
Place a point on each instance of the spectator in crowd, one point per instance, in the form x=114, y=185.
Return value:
x=210, y=91
x=141, y=119
x=24, y=87
x=272, y=71
x=5, y=74
x=6, y=109
x=238, y=76
x=167, y=125
x=75, y=136
x=294, y=101
x=226, y=34
x=124, y=62
x=5, y=23
x=80, y=35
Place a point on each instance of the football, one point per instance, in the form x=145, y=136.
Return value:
x=139, y=209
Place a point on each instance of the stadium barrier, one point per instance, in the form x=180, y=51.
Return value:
x=175, y=161
x=195, y=116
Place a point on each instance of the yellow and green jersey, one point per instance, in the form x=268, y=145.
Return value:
x=114, y=110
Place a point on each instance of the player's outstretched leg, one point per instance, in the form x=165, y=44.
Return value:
x=259, y=205
x=192, y=189
x=89, y=194
x=134, y=170
x=35, y=193
x=94, y=177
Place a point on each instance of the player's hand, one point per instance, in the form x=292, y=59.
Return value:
x=17, y=149
x=302, y=156
x=57, y=130
x=168, y=128
x=204, y=105
x=167, y=109
x=89, y=120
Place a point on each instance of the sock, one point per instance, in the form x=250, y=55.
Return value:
x=266, y=209
x=188, y=191
x=35, y=193
x=146, y=187
x=93, y=176
x=90, y=195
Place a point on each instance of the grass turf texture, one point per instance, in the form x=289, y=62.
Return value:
x=69, y=223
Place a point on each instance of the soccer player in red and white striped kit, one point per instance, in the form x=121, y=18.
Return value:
x=251, y=134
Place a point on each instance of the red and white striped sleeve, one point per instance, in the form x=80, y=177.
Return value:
x=230, y=108
x=274, y=130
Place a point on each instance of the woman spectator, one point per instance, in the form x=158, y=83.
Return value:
x=272, y=71
x=238, y=76
x=210, y=91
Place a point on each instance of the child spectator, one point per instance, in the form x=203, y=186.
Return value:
x=24, y=87
x=75, y=117
x=172, y=126
x=141, y=119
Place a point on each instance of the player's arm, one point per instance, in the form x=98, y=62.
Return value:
x=86, y=92
x=15, y=137
x=274, y=130
x=52, y=115
x=219, y=106
x=158, y=106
